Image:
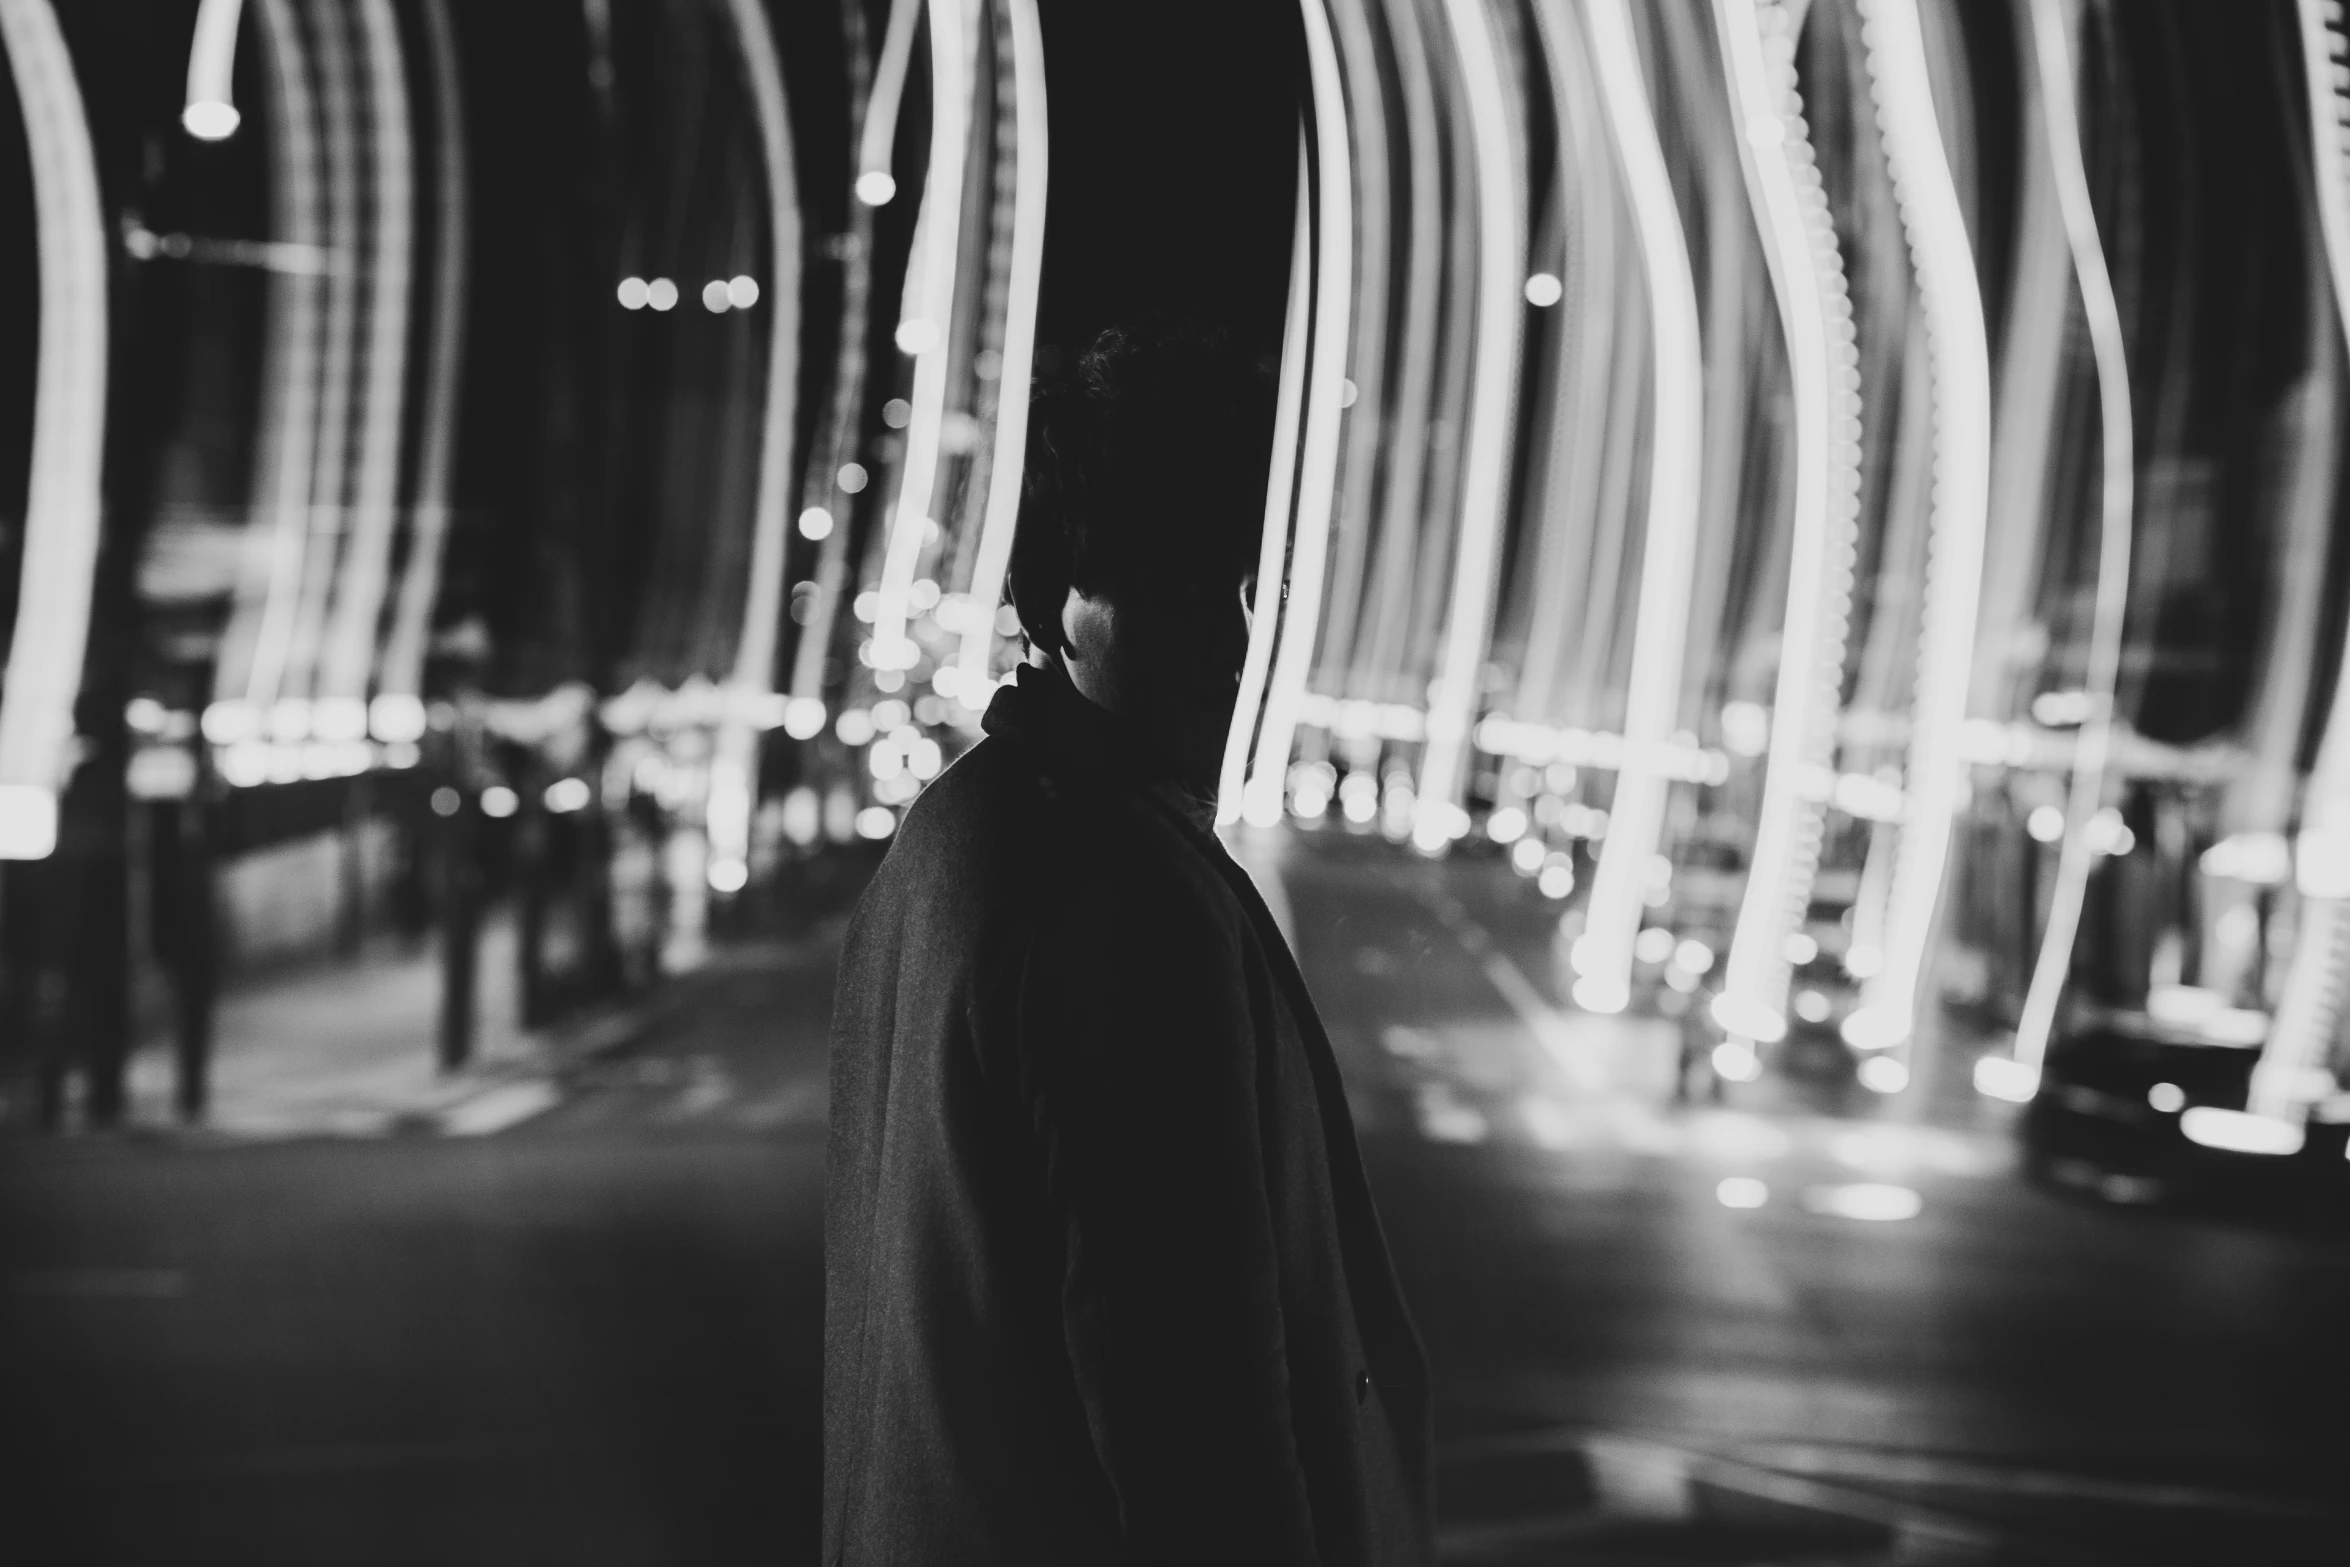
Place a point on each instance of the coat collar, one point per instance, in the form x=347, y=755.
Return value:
x=1075, y=738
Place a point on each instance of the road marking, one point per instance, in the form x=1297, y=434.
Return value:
x=802, y=1102
x=1546, y=1023
x=99, y=1283
x=707, y=1087
x=1960, y=1474
x=493, y=1111
x=1470, y=1542
x=1549, y=1026
x=1412, y=1044
x=1638, y=1478
x=1447, y=1118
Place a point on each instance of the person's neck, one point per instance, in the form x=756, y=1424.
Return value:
x=1102, y=695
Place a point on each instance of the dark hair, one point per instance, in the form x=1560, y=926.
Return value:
x=1145, y=475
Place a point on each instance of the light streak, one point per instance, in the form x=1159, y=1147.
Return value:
x=940, y=235
x=1318, y=462
x=328, y=518
x=350, y=640
x=2053, y=47
x=1758, y=47
x=1873, y=1202
x=1603, y=954
x=2309, y=1013
x=252, y=655
x=770, y=526
x=1396, y=558
x=211, y=112
x=1501, y=268
x=831, y=462
x=877, y=140
x=2004, y=1077
x=734, y=772
x=1577, y=464
x=61, y=516
x=1279, y=487
x=2242, y=1131
x=1030, y=170
x=1960, y=367
x=2032, y=371
x=1367, y=128
x=402, y=671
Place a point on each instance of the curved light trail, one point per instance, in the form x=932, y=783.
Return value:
x=1758, y=54
x=2024, y=442
x=2292, y=653
x=1317, y=477
x=251, y=666
x=939, y=233
x=398, y=711
x=348, y=657
x=1437, y=817
x=61, y=516
x=734, y=772
x=1396, y=559
x=1731, y=310
x=1031, y=169
x=2052, y=48
x=821, y=490
x=877, y=139
x=1352, y=519
x=1603, y=954
x=2309, y=1014
x=1280, y=486
x=211, y=112
x=1586, y=361
x=322, y=552
x=1943, y=258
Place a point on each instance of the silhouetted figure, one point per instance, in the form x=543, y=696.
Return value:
x=1104, y=1283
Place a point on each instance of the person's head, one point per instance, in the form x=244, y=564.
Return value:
x=1141, y=517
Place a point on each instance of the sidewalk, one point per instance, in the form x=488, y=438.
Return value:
x=347, y=1049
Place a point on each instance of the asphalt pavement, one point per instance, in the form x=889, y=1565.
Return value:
x=1777, y=1327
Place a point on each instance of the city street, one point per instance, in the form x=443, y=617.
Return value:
x=593, y=1336
x=1764, y=587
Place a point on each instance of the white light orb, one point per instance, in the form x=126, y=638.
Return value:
x=1742, y=1191
x=803, y=717
x=211, y=120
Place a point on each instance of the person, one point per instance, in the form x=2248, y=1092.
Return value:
x=1103, y=1278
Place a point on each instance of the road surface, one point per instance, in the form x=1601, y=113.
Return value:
x=593, y=1335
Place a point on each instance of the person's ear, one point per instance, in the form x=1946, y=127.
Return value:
x=1087, y=625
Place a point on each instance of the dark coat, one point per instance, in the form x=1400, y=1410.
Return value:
x=1103, y=1282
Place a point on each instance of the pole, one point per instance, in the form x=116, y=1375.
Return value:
x=458, y=809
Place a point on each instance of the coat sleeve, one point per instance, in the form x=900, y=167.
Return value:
x=1141, y=1030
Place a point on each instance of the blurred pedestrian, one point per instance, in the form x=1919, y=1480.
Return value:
x=1104, y=1282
